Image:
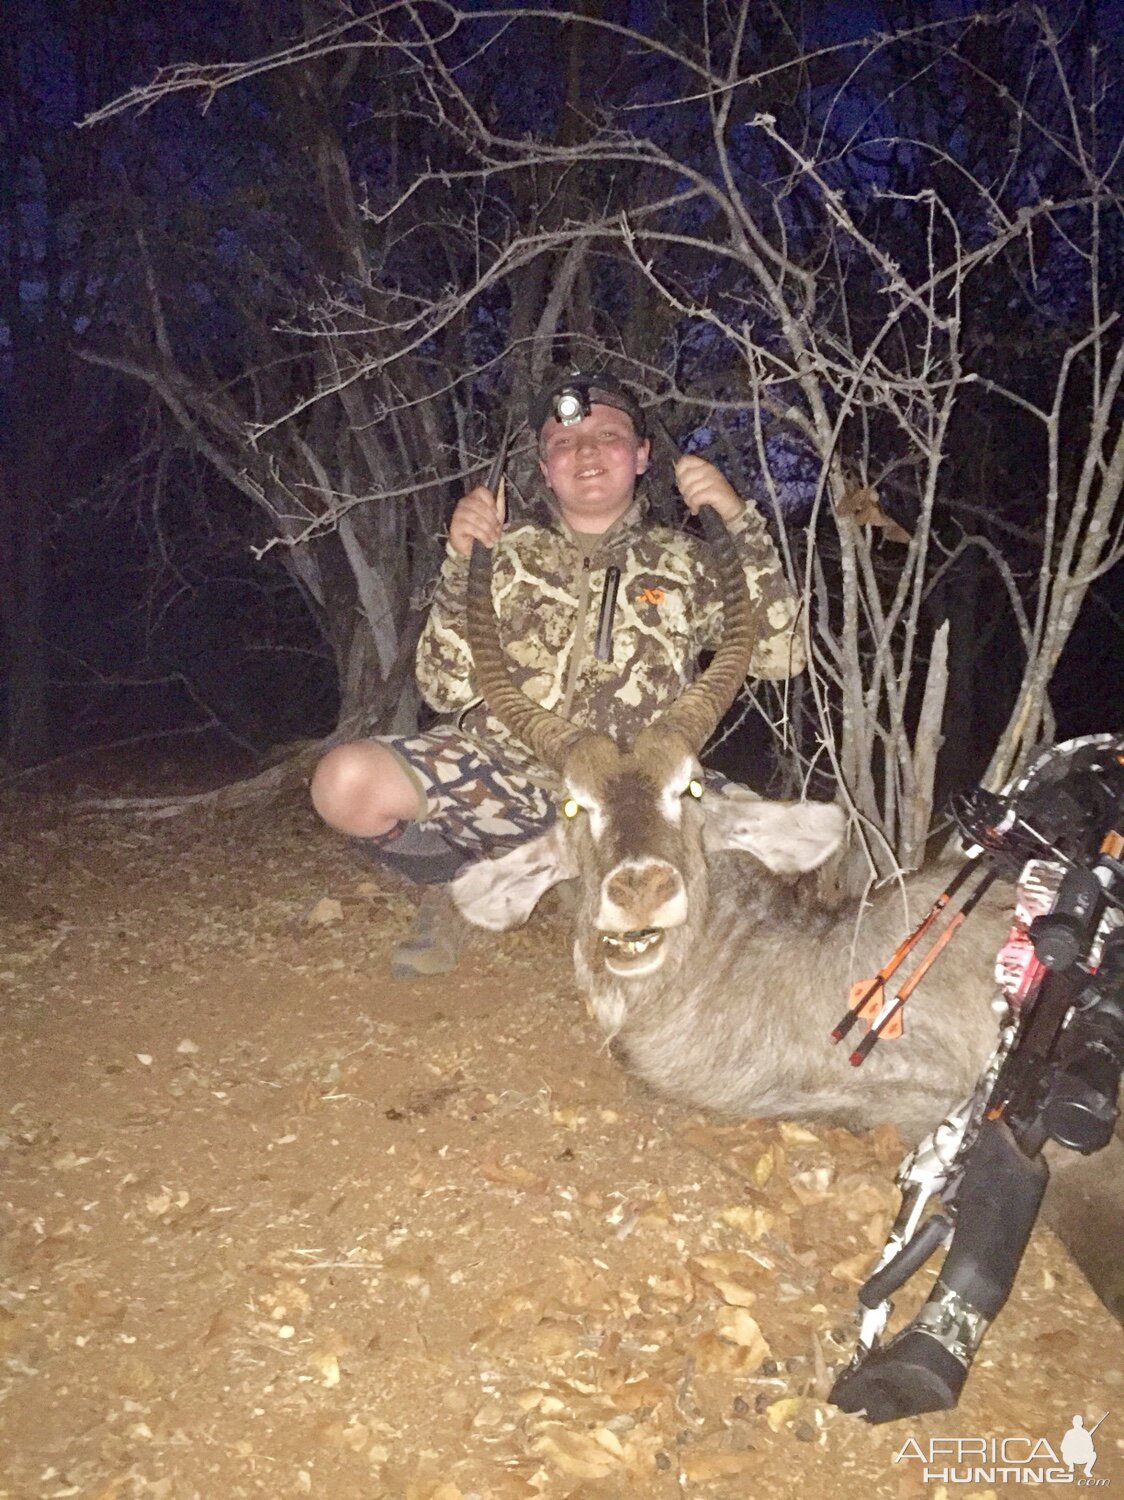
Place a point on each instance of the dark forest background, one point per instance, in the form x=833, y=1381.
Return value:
x=273, y=276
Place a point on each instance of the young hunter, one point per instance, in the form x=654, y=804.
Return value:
x=426, y=804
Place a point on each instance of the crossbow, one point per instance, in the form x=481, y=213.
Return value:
x=1054, y=1075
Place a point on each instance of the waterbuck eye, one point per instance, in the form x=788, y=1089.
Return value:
x=695, y=788
x=570, y=808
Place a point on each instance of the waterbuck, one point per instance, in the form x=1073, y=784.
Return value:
x=701, y=955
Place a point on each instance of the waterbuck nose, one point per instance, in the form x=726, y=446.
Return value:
x=642, y=893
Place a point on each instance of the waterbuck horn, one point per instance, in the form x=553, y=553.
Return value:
x=699, y=709
x=547, y=735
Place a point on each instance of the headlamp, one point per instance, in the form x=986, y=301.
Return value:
x=570, y=395
x=570, y=405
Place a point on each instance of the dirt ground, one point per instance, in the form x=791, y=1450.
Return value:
x=273, y=1224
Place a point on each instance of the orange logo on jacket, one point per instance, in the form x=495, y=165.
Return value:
x=650, y=596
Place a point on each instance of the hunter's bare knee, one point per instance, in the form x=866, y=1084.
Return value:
x=361, y=789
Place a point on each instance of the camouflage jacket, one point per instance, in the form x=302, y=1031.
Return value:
x=549, y=592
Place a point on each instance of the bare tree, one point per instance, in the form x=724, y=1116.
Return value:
x=803, y=252
x=304, y=476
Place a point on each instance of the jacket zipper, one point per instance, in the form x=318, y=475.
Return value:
x=579, y=641
x=603, y=641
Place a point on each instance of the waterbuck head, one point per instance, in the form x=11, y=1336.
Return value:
x=635, y=821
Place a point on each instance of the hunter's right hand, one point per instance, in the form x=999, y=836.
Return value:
x=478, y=518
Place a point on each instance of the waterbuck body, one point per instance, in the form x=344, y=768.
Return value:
x=702, y=955
x=748, y=1033
x=716, y=972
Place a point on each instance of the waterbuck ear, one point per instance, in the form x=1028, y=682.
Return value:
x=501, y=893
x=787, y=837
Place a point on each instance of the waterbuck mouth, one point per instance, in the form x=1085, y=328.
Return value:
x=632, y=952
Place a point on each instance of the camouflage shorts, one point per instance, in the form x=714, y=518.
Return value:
x=470, y=797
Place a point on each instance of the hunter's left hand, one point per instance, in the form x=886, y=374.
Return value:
x=700, y=483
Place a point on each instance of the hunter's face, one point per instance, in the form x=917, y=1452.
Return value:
x=592, y=466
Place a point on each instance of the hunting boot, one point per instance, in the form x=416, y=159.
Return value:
x=435, y=941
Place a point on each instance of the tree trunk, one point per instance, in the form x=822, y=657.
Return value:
x=28, y=708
